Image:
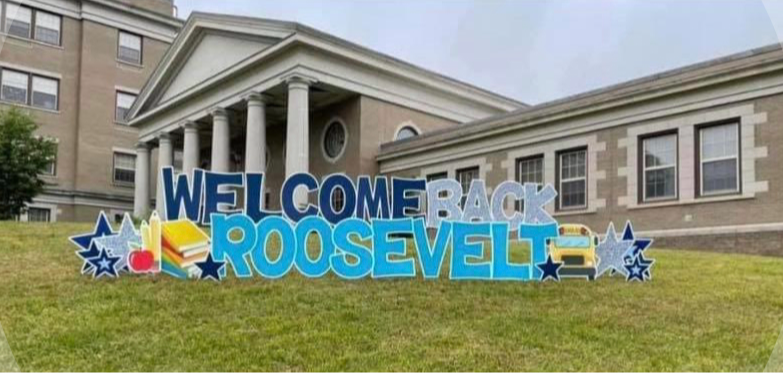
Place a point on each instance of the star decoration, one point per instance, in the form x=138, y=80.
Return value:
x=86, y=255
x=119, y=244
x=637, y=269
x=611, y=253
x=102, y=228
x=85, y=241
x=104, y=264
x=210, y=269
x=549, y=269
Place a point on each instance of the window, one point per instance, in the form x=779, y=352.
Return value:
x=45, y=92
x=338, y=199
x=129, y=48
x=659, y=176
x=573, y=179
x=51, y=167
x=334, y=140
x=406, y=132
x=530, y=170
x=719, y=159
x=39, y=215
x=123, y=103
x=47, y=28
x=442, y=194
x=18, y=20
x=14, y=86
x=124, y=168
x=465, y=177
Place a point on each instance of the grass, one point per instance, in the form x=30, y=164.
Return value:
x=702, y=311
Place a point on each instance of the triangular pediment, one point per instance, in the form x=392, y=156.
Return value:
x=213, y=53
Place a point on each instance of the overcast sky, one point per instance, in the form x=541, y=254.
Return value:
x=533, y=51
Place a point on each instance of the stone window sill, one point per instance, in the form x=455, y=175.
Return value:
x=699, y=200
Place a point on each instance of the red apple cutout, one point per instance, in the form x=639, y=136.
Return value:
x=141, y=261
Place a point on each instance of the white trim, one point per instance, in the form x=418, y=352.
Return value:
x=329, y=123
x=125, y=89
x=704, y=231
x=406, y=124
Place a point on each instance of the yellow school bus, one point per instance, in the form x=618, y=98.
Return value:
x=575, y=248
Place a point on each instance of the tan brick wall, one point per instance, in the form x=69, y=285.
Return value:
x=98, y=132
x=380, y=121
x=764, y=207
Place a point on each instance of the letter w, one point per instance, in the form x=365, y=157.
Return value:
x=182, y=194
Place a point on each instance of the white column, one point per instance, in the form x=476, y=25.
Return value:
x=220, y=140
x=298, y=137
x=255, y=140
x=165, y=159
x=191, y=152
x=141, y=196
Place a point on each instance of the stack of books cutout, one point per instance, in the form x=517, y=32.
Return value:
x=184, y=245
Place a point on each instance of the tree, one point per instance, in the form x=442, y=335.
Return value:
x=23, y=156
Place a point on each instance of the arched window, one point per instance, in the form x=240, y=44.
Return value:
x=335, y=138
x=406, y=132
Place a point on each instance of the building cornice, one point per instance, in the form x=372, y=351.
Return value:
x=694, y=77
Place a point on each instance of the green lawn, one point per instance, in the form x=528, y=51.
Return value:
x=701, y=312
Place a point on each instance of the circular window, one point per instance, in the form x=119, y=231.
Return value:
x=334, y=140
x=406, y=132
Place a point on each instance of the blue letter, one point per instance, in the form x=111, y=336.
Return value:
x=537, y=235
x=287, y=196
x=261, y=262
x=431, y=259
x=254, y=194
x=345, y=247
x=372, y=204
x=462, y=250
x=215, y=198
x=182, y=193
x=320, y=266
x=325, y=198
x=223, y=245
x=502, y=269
x=401, y=202
x=383, y=246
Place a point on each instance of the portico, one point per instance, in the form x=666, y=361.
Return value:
x=241, y=94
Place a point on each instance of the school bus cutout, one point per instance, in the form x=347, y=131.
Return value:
x=575, y=248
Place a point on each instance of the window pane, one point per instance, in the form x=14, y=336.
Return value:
x=334, y=140
x=719, y=141
x=38, y=215
x=406, y=132
x=465, y=177
x=14, y=87
x=45, y=93
x=573, y=194
x=129, y=48
x=124, y=103
x=573, y=165
x=660, y=151
x=531, y=170
x=18, y=20
x=124, y=168
x=47, y=28
x=338, y=200
x=720, y=176
x=660, y=183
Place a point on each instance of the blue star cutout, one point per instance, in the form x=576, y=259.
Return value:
x=85, y=241
x=104, y=264
x=549, y=269
x=611, y=253
x=102, y=228
x=211, y=269
x=636, y=270
x=86, y=255
x=647, y=264
x=628, y=232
